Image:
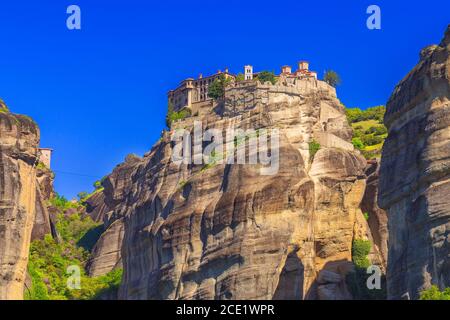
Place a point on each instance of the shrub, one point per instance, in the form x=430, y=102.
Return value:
x=217, y=88
x=264, y=76
x=332, y=78
x=357, y=280
x=360, y=251
x=240, y=77
x=175, y=116
x=61, y=203
x=314, y=146
x=435, y=294
x=3, y=106
x=49, y=260
x=357, y=143
x=82, y=195
x=371, y=140
x=377, y=131
x=372, y=113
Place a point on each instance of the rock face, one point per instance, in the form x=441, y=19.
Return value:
x=20, y=199
x=226, y=231
x=377, y=216
x=106, y=206
x=415, y=176
x=43, y=223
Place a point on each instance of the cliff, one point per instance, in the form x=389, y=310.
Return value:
x=20, y=199
x=226, y=231
x=415, y=176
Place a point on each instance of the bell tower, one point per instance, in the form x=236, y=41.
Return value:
x=248, y=72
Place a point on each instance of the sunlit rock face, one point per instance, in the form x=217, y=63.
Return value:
x=414, y=177
x=20, y=200
x=226, y=231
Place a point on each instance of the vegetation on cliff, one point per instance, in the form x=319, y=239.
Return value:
x=173, y=116
x=435, y=294
x=369, y=131
x=357, y=279
x=332, y=78
x=314, y=146
x=217, y=88
x=50, y=259
x=265, y=76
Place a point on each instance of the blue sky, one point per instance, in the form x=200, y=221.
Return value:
x=99, y=93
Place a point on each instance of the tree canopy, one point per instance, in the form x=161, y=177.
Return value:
x=332, y=78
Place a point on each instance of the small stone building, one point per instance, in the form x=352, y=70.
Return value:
x=45, y=156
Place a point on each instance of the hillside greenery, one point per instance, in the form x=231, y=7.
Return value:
x=3, y=106
x=435, y=294
x=173, y=116
x=50, y=258
x=357, y=279
x=314, y=146
x=369, y=131
x=265, y=76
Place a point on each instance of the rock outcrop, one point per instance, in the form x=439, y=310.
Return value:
x=415, y=176
x=43, y=223
x=226, y=231
x=377, y=216
x=20, y=199
x=105, y=206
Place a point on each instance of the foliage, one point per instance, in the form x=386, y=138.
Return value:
x=369, y=132
x=332, y=78
x=41, y=166
x=3, y=106
x=371, y=140
x=265, y=76
x=240, y=77
x=357, y=280
x=360, y=251
x=357, y=143
x=175, y=116
x=373, y=113
x=82, y=195
x=377, y=130
x=314, y=146
x=73, y=227
x=61, y=203
x=38, y=289
x=366, y=215
x=216, y=89
x=435, y=294
x=49, y=260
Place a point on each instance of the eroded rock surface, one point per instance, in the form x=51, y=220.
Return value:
x=377, y=216
x=415, y=176
x=19, y=199
x=226, y=231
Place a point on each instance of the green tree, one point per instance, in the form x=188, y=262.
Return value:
x=332, y=78
x=265, y=76
x=357, y=143
x=216, y=89
x=3, y=107
x=435, y=294
x=240, y=77
x=314, y=146
x=360, y=251
x=82, y=195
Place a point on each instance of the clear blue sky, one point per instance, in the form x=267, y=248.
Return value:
x=100, y=93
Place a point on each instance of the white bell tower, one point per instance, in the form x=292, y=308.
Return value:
x=248, y=72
